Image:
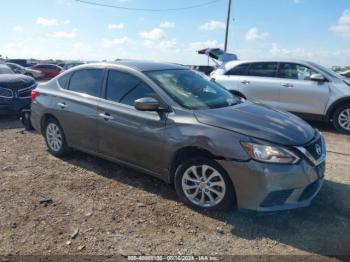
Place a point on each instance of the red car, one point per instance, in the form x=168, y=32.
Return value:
x=48, y=70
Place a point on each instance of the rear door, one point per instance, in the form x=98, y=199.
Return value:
x=76, y=107
x=260, y=83
x=52, y=71
x=232, y=78
x=125, y=133
x=298, y=93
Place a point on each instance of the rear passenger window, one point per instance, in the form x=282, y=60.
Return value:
x=64, y=80
x=119, y=84
x=140, y=91
x=87, y=81
x=240, y=70
x=263, y=69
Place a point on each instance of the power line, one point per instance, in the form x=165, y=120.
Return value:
x=146, y=9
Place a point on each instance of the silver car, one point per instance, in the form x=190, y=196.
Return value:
x=170, y=122
x=305, y=88
x=25, y=70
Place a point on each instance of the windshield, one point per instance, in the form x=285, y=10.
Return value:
x=191, y=90
x=5, y=70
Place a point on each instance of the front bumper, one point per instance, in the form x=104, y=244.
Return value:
x=13, y=105
x=272, y=187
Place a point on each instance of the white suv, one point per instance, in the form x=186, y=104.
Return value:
x=305, y=88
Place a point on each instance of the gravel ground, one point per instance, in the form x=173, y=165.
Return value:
x=89, y=206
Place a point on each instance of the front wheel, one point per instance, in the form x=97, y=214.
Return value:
x=55, y=139
x=341, y=119
x=203, y=183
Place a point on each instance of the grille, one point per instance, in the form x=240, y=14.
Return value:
x=6, y=93
x=314, y=147
x=25, y=92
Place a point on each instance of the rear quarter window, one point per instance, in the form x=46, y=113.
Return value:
x=64, y=80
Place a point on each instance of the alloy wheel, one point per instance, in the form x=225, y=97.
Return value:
x=344, y=119
x=203, y=185
x=54, y=137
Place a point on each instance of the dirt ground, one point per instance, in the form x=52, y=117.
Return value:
x=85, y=205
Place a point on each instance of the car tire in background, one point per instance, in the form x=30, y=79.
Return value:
x=25, y=119
x=341, y=119
x=55, y=138
x=202, y=183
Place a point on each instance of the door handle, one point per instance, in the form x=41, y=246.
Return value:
x=287, y=85
x=106, y=116
x=245, y=82
x=62, y=105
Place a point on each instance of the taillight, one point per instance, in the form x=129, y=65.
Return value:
x=35, y=94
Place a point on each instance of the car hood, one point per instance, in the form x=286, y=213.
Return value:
x=15, y=81
x=259, y=121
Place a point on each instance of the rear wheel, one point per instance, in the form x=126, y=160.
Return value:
x=203, y=183
x=55, y=139
x=341, y=119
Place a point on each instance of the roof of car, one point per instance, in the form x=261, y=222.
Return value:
x=279, y=60
x=148, y=66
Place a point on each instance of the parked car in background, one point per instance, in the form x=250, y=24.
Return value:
x=15, y=91
x=21, y=62
x=203, y=69
x=305, y=88
x=70, y=65
x=48, y=70
x=25, y=71
x=173, y=123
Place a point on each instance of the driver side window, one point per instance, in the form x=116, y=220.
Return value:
x=295, y=71
x=125, y=88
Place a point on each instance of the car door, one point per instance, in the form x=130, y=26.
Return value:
x=44, y=70
x=51, y=71
x=232, y=78
x=125, y=133
x=298, y=93
x=76, y=107
x=260, y=83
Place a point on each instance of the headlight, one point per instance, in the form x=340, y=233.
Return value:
x=5, y=93
x=270, y=154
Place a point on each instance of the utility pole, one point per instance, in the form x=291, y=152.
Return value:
x=227, y=24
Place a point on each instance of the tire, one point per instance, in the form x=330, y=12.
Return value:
x=220, y=202
x=55, y=138
x=341, y=119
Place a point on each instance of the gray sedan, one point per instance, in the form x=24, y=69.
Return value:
x=167, y=121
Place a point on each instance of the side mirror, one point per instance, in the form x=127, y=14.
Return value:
x=147, y=104
x=317, y=78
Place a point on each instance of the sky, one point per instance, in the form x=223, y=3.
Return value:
x=317, y=30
